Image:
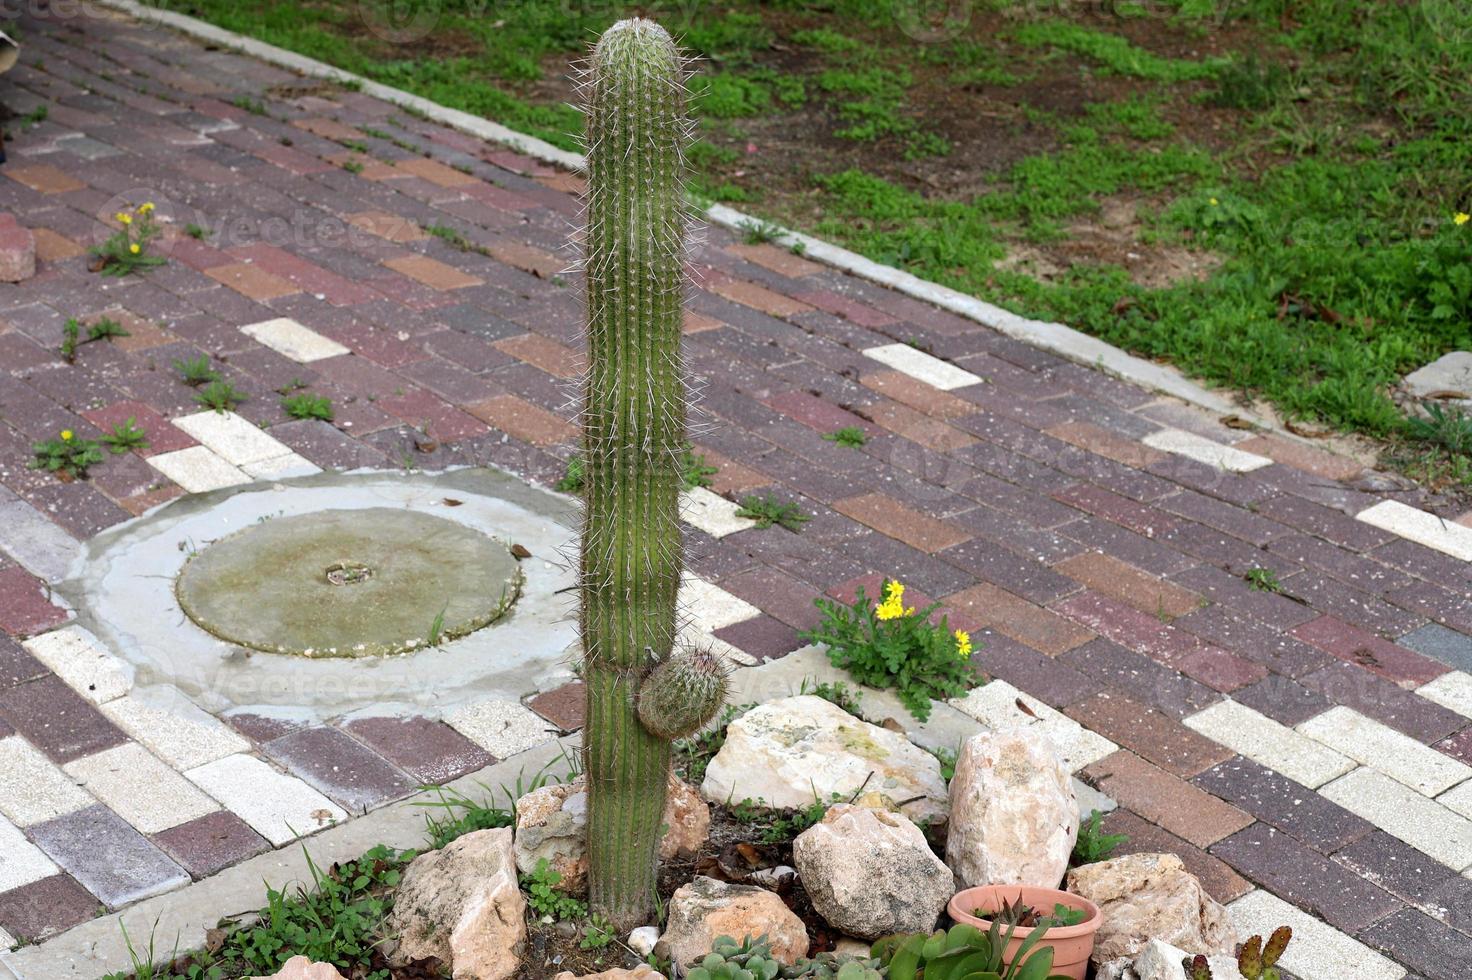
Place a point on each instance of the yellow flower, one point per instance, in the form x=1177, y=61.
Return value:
x=134, y=248
x=1214, y=202
x=893, y=606
x=124, y=218
x=1461, y=218
x=963, y=644
x=145, y=208
x=66, y=435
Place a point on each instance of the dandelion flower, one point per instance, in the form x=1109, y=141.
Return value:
x=66, y=435
x=963, y=644
x=1461, y=218
x=134, y=248
x=145, y=208
x=125, y=219
x=893, y=606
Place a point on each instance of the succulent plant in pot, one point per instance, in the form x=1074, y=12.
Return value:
x=1028, y=916
x=967, y=953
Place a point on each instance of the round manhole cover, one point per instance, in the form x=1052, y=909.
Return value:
x=349, y=583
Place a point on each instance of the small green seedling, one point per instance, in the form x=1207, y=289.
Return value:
x=768, y=510
x=196, y=371
x=1093, y=845
x=220, y=396
x=1263, y=580
x=758, y=232
x=125, y=436
x=308, y=406
x=850, y=435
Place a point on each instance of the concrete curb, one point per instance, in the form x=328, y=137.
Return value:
x=97, y=948
x=1056, y=338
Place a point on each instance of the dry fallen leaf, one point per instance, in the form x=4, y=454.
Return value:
x=519, y=551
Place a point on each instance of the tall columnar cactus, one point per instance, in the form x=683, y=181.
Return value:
x=633, y=441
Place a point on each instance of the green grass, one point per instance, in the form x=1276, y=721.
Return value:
x=1322, y=194
x=767, y=510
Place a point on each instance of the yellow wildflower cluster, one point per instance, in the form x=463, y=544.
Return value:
x=1461, y=218
x=893, y=606
x=963, y=644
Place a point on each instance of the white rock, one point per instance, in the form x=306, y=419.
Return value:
x=791, y=752
x=871, y=873
x=1014, y=817
x=1151, y=896
x=462, y=905
x=642, y=940
x=706, y=909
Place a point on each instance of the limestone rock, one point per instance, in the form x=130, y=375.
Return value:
x=641, y=972
x=301, y=968
x=787, y=751
x=1014, y=816
x=871, y=873
x=642, y=940
x=462, y=905
x=1152, y=896
x=706, y=908
x=552, y=823
x=1162, y=961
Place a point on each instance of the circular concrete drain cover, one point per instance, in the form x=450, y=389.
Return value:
x=349, y=583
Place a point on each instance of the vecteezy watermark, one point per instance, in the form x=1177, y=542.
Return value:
x=406, y=21
x=932, y=21
x=13, y=10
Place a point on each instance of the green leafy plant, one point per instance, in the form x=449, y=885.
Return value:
x=544, y=898
x=597, y=934
x=353, y=166
x=850, y=435
x=68, y=455
x=573, y=476
x=196, y=231
x=1448, y=428
x=196, y=371
x=104, y=329
x=767, y=510
x=966, y=953
x=633, y=440
x=126, y=250
x=758, y=232
x=1263, y=580
x=335, y=918
x=1022, y=915
x=750, y=959
x=125, y=436
x=886, y=644
x=694, y=752
x=220, y=396
x=779, y=826
x=947, y=759
x=834, y=692
x=253, y=106
x=69, y=334
x=308, y=406
x=452, y=814
x=1093, y=845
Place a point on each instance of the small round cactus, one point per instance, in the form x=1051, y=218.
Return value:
x=682, y=693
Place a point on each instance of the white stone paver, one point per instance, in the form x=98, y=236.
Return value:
x=281, y=467
x=286, y=336
x=710, y=607
x=1459, y=801
x=1401, y=812
x=994, y=704
x=174, y=728
x=502, y=728
x=32, y=788
x=140, y=788
x=922, y=366
x=198, y=469
x=1419, y=526
x=21, y=862
x=79, y=658
x=279, y=807
x=1451, y=690
x=1205, y=450
x=1318, y=950
x=712, y=513
x=1381, y=747
x=238, y=440
x=1268, y=743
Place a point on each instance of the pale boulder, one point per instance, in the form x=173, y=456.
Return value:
x=871, y=873
x=301, y=968
x=1152, y=896
x=1162, y=961
x=462, y=905
x=706, y=909
x=552, y=824
x=1014, y=815
x=641, y=972
x=789, y=752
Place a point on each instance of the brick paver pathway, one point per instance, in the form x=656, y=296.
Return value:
x=1306, y=748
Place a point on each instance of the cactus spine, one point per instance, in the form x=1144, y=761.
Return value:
x=633, y=438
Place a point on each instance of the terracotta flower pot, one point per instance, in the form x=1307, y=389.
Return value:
x=1071, y=944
